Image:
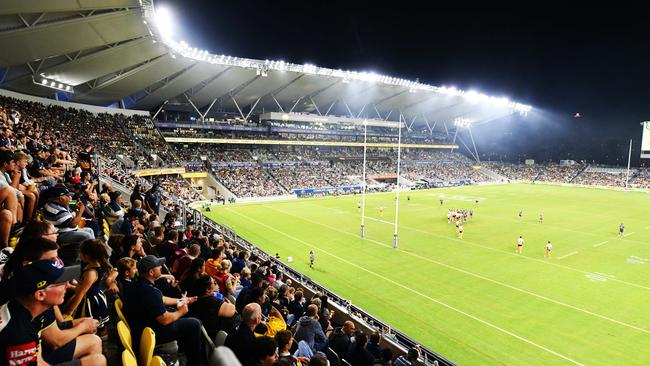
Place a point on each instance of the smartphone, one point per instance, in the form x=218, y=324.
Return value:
x=72, y=202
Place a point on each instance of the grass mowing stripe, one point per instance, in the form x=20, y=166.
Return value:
x=506, y=252
x=472, y=273
x=505, y=331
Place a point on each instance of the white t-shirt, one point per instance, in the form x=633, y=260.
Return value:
x=549, y=247
x=520, y=241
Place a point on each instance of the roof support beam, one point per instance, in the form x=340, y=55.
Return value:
x=361, y=111
x=330, y=108
x=295, y=104
x=209, y=108
x=348, y=108
x=159, y=109
x=194, y=106
x=312, y=101
x=239, y=109
x=278, y=103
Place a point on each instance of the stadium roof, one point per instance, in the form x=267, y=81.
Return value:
x=114, y=51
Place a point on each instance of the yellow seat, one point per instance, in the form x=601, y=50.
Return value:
x=147, y=344
x=128, y=359
x=119, y=309
x=125, y=336
x=157, y=361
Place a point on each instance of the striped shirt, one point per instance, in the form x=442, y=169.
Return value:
x=58, y=215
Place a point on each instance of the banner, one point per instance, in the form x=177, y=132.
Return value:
x=150, y=172
x=199, y=140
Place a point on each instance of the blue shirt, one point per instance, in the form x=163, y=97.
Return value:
x=143, y=303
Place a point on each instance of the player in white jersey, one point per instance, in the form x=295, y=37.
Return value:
x=312, y=258
x=541, y=217
x=520, y=244
x=549, y=248
x=621, y=229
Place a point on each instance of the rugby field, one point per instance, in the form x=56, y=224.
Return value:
x=475, y=300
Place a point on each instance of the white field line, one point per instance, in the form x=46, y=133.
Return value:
x=475, y=274
x=599, y=244
x=414, y=291
x=567, y=255
x=632, y=233
x=469, y=242
x=513, y=254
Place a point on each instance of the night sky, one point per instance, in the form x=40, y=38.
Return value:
x=560, y=59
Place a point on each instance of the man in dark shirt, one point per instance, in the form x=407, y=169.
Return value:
x=242, y=340
x=39, y=286
x=152, y=199
x=145, y=306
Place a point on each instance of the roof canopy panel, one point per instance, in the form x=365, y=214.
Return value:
x=47, y=6
x=111, y=50
x=69, y=36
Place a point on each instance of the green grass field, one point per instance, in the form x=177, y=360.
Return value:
x=475, y=300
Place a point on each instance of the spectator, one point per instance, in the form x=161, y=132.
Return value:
x=373, y=345
x=386, y=358
x=242, y=340
x=145, y=306
x=341, y=338
x=284, y=339
x=57, y=212
x=215, y=314
x=265, y=350
x=409, y=359
x=310, y=331
x=113, y=210
x=358, y=355
x=40, y=286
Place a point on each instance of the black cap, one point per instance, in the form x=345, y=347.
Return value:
x=148, y=262
x=59, y=191
x=39, y=274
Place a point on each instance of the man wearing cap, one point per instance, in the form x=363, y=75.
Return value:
x=145, y=306
x=57, y=212
x=39, y=286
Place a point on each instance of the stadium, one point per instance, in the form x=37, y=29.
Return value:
x=161, y=204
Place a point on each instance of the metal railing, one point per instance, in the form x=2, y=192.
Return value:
x=427, y=356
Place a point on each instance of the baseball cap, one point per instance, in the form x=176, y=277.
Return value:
x=39, y=274
x=59, y=191
x=148, y=262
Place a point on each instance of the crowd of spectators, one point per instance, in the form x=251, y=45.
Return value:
x=249, y=181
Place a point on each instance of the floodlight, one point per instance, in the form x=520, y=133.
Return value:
x=164, y=22
x=48, y=83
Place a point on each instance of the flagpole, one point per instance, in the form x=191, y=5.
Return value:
x=399, y=150
x=363, y=182
x=629, y=157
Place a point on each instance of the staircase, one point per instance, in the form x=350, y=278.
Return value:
x=494, y=176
